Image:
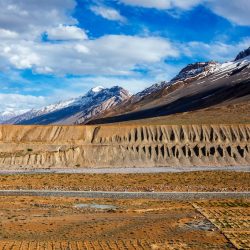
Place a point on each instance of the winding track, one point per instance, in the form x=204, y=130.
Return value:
x=128, y=195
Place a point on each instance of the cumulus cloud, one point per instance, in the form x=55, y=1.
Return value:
x=16, y=102
x=235, y=11
x=68, y=49
x=163, y=4
x=20, y=55
x=31, y=17
x=111, y=54
x=218, y=51
x=7, y=34
x=108, y=13
x=63, y=32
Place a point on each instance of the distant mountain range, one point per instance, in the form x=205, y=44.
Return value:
x=76, y=110
x=198, y=85
x=6, y=115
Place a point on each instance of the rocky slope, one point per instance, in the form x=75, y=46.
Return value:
x=75, y=110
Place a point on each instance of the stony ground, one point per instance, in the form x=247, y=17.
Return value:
x=77, y=223
x=192, y=181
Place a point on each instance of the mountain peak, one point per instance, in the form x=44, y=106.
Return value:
x=97, y=89
x=243, y=54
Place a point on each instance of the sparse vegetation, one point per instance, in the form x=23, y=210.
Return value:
x=191, y=181
x=47, y=222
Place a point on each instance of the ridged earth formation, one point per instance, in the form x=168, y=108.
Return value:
x=123, y=146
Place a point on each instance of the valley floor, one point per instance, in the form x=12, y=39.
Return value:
x=196, y=181
x=79, y=223
x=202, y=210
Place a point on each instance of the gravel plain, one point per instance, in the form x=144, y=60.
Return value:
x=117, y=170
x=129, y=195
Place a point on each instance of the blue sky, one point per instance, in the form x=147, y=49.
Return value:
x=52, y=50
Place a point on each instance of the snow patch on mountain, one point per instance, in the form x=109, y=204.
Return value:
x=232, y=67
x=97, y=89
x=196, y=70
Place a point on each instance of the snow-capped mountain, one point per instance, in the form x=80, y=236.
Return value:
x=198, y=85
x=76, y=110
x=190, y=72
x=195, y=71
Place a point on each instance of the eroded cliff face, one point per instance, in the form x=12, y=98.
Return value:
x=123, y=146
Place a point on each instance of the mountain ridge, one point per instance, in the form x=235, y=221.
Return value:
x=197, y=86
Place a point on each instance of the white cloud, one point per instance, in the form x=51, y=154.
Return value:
x=236, y=11
x=7, y=34
x=69, y=50
x=163, y=4
x=133, y=84
x=218, y=51
x=108, y=13
x=63, y=32
x=19, y=55
x=31, y=17
x=110, y=55
x=17, y=102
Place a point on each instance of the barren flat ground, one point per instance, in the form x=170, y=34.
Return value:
x=199, y=181
x=77, y=223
